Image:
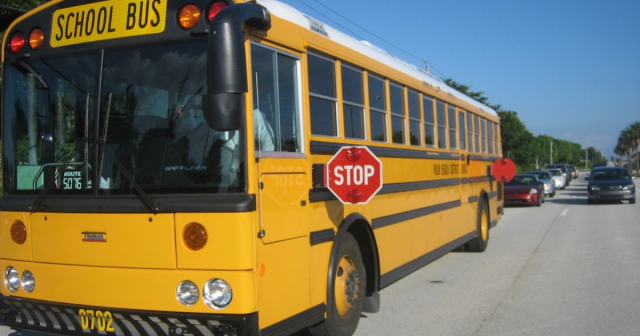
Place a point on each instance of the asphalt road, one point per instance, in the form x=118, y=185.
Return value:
x=566, y=268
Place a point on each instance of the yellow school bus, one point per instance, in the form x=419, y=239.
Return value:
x=164, y=167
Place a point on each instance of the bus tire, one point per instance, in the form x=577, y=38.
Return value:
x=480, y=242
x=346, y=291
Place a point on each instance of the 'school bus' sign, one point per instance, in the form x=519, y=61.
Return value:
x=107, y=20
x=354, y=175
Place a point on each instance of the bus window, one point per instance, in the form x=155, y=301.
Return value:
x=378, y=110
x=322, y=96
x=463, y=132
x=429, y=131
x=470, y=130
x=453, y=136
x=275, y=100
x=414, y=118
x=442, y=125
x=396, y=93
x=490, y=136
x=476, y=121
x=483, y=134
x=353, y=103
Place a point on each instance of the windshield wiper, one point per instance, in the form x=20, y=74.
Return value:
x=154, y=207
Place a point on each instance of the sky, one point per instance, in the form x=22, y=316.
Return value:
x=570, y=69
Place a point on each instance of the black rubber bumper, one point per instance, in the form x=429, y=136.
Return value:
x=64, y=319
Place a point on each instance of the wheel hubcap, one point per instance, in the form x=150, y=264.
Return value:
x=484, y=226
x=347, y=286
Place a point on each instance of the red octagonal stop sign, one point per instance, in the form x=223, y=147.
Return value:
x=354, y=175
x=503, y=170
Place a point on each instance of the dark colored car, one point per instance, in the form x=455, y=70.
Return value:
x=524, y=189
x=565, y=171
x=611, y=183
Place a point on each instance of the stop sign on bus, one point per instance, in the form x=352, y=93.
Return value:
x=354, y=175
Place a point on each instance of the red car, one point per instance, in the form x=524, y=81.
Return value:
x=524, y=189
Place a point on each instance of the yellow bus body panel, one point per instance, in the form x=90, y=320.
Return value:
x=230, y=244
x=131, y=240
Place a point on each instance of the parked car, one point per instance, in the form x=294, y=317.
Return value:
x=547, y=180
x=565, y=172
x=611, y=183
x=558, y=178
x=524, y=189
x=574, y=171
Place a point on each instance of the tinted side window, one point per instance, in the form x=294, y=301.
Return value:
x=442, y=125
x=353, y=104
x=397, y=113
x=378, y=113
x=322, y=94
x=429, y=127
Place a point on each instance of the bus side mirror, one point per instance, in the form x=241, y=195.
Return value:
x=223, y=106
x=223, y=111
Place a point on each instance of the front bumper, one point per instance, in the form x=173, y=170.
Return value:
x=64, y=319
x=522, y=199
x=611, y=195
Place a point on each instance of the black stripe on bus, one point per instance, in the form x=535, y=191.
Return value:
x=322, y=236
x=465, y=181
x=321, y=195
x=476, y=179
x=131, y=204
x=493, y=224
x=331, y=148
x=473, y=199
x=296, y=322
x=408, y=268
x=492, y=194
x=482, y=158
x=380, y=222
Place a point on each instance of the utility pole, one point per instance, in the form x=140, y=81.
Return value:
x=551, y=151
x=586, y=162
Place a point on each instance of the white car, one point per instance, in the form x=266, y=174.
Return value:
x=558, y=177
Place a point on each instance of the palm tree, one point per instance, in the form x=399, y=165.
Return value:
x=626, y=143
x=635, y=133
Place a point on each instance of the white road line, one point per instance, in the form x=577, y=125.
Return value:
x=564, y=212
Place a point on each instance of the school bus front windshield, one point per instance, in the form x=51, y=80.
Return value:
x=150, y=130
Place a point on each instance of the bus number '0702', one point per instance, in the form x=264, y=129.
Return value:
x=96, y=319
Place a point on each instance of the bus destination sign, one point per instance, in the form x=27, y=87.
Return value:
x=106, y=20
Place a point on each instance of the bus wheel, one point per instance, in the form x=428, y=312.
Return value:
x=479, y=243
x=347, y=295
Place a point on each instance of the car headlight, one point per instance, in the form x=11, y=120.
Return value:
x=533, y=191
x=217, y=293
x=28, y=281
x=11, y=279
x=628, y=187
x=594, y=188
x=187, y=293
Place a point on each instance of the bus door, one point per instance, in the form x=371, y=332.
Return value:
x=284, y=245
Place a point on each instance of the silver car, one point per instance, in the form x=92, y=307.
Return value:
x=545, y=177
x=558, y=177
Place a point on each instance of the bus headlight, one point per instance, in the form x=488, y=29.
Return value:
x=28, y=281
x=187, y=293
x=217, y=294
x=11, y=279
